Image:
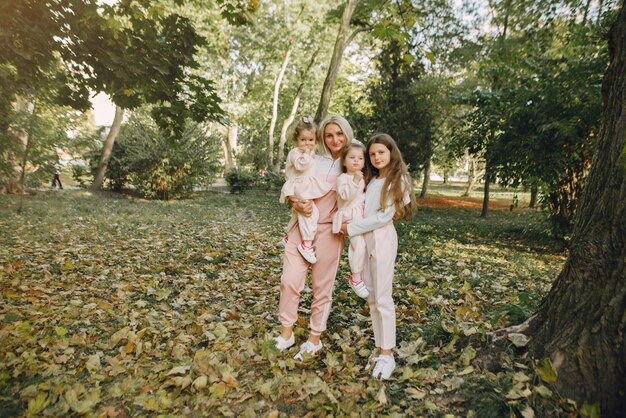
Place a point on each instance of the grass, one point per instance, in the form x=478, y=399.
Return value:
x=195, y=283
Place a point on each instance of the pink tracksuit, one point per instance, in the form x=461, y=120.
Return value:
x=351, y=201
x=328, y=247
x=381, y=243
x=302, y=183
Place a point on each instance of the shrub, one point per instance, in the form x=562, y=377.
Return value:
x=81, y=175
x=160, y=166
x=271, y=180
x=239, y=179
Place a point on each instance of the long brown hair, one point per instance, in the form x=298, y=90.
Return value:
x=397, y=180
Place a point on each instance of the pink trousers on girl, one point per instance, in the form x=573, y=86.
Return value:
x=381, y=249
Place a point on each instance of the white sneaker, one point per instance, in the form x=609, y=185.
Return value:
x=384, y=367
x=307, y=348
x=359, y=288
x=283, y=344
x=307, y=252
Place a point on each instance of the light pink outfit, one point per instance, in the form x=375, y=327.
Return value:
x=328, y=247
x=302, y=183
x=381, y=243
x=351, y=201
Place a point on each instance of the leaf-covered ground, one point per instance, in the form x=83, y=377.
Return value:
x=116, y=306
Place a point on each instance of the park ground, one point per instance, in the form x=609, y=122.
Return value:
x=118, y=306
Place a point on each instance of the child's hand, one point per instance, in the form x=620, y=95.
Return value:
x=358, y=176
x=344, y=228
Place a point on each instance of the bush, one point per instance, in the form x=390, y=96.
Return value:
x=239, y=179
x=271, y=180
x=160, y=166
x=81, y=175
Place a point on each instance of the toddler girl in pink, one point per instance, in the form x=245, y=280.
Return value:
x=351, y=203
x=302, y=184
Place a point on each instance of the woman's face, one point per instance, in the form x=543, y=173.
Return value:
x=334, y=139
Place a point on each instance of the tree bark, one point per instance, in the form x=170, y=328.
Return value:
x=335, y=62
x=277, y=83
x=230, y=145
x=485, y=211
x=426, y=179
x=580, y=324
x=534, y=193
x=294, y=108
x=108, y=148
x=27, y=139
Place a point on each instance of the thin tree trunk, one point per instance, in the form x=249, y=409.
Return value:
x=294, y=108
x=335, y=62
x=472, y=177
x=446, y=175
x=534, y=192
x=230, y=145
x=28, y=138
x=580, y=324
x=485, y=212
x=426, y=179
x=108, y=148
x=277, y=83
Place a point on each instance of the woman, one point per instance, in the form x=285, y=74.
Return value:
x=333, y=134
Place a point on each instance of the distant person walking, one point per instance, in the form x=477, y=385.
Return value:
x=56, y=177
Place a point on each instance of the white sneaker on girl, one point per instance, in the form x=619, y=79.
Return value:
x=307, y=252
x=385, y=365
x=283, y=344
x=308, y=347
x=359, y=287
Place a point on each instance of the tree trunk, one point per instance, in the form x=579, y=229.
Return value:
x=277, y=83
x=580, y=324
x=27, y=139
x=229, y=146
x=446, y=175
x=426, y=179
x=534, y=192
x=335, y=62
x=108, y=148
x=485, y=212
x=294, y=108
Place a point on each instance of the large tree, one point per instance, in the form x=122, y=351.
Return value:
x=581, y=323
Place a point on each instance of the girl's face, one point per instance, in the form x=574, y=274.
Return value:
x=355, y=160
x=380, y=157
x=306, y=139
x=334, y=139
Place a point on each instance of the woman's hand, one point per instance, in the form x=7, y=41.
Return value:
x=344, y=229
x=302, y=206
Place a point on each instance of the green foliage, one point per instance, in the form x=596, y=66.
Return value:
x=271, y=180
x=81, y=176
x=133, y=51
x=158, y=165
x=239, y=179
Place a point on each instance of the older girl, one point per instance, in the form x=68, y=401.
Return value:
x=388, y=196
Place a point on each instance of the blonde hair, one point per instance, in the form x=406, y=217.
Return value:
x=346, y=150
x=305, y=124
x=397, y=180
x=343, y=125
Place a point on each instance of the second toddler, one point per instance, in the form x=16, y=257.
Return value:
x=351, y=203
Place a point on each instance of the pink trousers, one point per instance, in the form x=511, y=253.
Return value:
x=328, y=247
x=381, y=250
